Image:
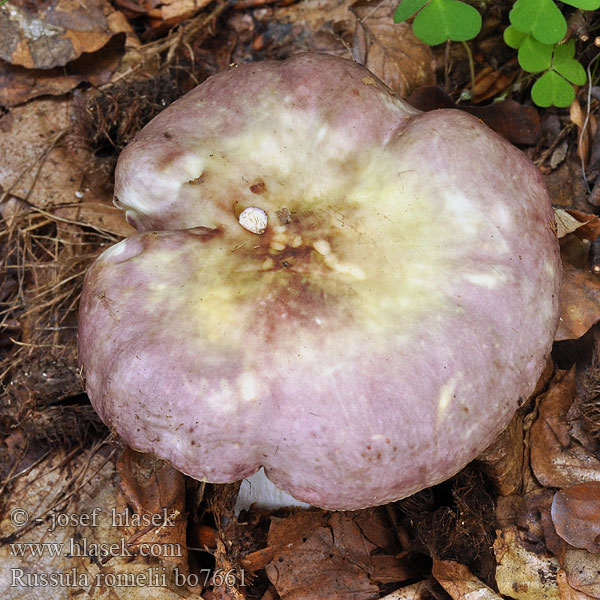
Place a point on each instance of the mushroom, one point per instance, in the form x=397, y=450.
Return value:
x=576, y=515
x=369, y=325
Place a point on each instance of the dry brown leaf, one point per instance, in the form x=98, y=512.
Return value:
x=576, y=515
x=558, y=460
x=580, y=302
x=509, y=509
x=590, y=228
x=566, y=223
x=415, y=591
x=585, y=225
x=521, y=573
x=582, y=568
x=565, y=184
x=39, y=166
x=155, y=493
x=491, y=82
x=566, y=591
x=375, y=526
x=517, y=123
x=503, y=460
x=325, y=555
x=175, y=11
x=32, y=154
x=18, y=84
x=255, y=561
x=388, y=569
x=364, y=31
x=460, y=583
x=392, y=51
x=51, y=35
x=137, y=7
x=243, y=4
x=578, y=118
x=559, y=154
x=68, y=500
x=314, y=567
x=536, y=521
x=348, y=538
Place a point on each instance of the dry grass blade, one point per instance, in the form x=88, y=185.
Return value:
x=43, y=260
x=193, y=30
x=45, y=251
x=590, y=411
x=77, y=477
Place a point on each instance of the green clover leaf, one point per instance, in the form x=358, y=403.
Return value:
x=407, y=8
x=534, y=56
x=567, y=66
x=571, y=70
x=513, y=38
x=541, y=18
x=536, y=28
x=564, y=51
x=440, y=20
x=551, y=89
x=584, y=4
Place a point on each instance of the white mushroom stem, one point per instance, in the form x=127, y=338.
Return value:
x=261, y=492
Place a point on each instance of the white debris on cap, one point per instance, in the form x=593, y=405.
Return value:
x=253, y=219
x=322, y=247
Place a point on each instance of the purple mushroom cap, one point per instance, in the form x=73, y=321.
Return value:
x=374, y=338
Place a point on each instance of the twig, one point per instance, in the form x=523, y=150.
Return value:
x=181, y=36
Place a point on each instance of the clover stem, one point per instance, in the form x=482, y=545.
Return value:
x=471, y=68
x=446, y=66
